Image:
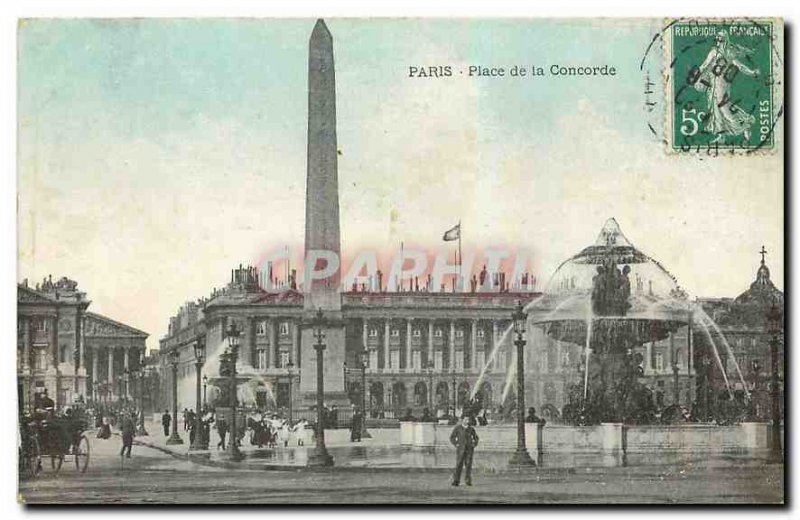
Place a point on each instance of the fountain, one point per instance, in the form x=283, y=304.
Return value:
x=611, y=298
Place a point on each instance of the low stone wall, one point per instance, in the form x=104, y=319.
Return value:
x=605, y=438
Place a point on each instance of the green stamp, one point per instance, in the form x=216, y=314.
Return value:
x=721, y=85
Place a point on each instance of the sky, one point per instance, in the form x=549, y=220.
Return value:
x=155, y=155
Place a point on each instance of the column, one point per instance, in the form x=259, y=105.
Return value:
x=54, y=341
x=249, y=354
x=494, y=342
x=365, y=334
x=559, y=368
x=672, y=359
x=273, y=342
x=82, y=343
x=386, y=357
x=127, y=383
x=451, y=346
x=473, y=351
x=408, y=344
x=296, y=340
x=110, y=378
x=648, y=359
x=430, y=342
x=26, y=344
x=95, y=358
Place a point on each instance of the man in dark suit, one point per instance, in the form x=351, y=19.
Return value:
x=464, y=438
x=165, y=422
x=127, y=427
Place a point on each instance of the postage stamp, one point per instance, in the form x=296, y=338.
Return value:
x=723, y=83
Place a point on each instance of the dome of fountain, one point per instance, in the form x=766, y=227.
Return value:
x=611, y=280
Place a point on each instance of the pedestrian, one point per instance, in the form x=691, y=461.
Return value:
x=464, y=439
x=105, y=429
x=355, y=426
x=222, y=430
x=165, y=422
x=185, y=420
x=127, y=427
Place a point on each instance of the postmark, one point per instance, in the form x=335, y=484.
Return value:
x=723, y=85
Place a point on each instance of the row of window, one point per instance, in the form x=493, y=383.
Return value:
x=261, y=328
x=39, y=324
x=373, y=333
x=262, y=355
x=438, y=359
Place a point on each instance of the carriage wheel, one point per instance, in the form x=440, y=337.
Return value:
x=33, y=458
x=82, y=454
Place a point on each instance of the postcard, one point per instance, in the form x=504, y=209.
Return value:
x=400, y=261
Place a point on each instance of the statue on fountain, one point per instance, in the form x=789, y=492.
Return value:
x=611, y=289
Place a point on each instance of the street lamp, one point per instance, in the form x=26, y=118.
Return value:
x=174, y=438
x=199, y=356
x=138, y=374
x=319, y=455
x=775, y=328
x=362, y=359
x=147, y=381
x=455, y=399
x=205, y=384
x=521, y=456
x=233, y=353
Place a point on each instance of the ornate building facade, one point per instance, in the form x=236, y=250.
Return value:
x=72, y=353
x=423, y=349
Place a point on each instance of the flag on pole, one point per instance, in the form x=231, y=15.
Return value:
x=453, y=233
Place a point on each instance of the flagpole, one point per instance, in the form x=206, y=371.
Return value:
x=459, y=250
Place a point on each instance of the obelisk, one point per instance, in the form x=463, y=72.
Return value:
x=322, y=227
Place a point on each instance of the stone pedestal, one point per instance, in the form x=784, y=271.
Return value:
x=407, y=433
x=333, y=358
x=755, y=435
x=425, y=434
x=613, y=435
x=534, y=440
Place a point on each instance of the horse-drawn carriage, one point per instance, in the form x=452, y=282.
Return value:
x=55, y=437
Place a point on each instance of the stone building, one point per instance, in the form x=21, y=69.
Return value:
x=72, y=353
x=743, y=358
x=423, y=349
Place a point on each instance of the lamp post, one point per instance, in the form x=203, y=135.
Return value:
x=775, y=328
x=455, y=399
x=290, y=371
x=233, y=333
x=205, y=384
x=362, y=355
x=676, y=395
x=520, y=457
x=139, y=374
x=319, y=456
x=199, y=359
x=174, y=438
